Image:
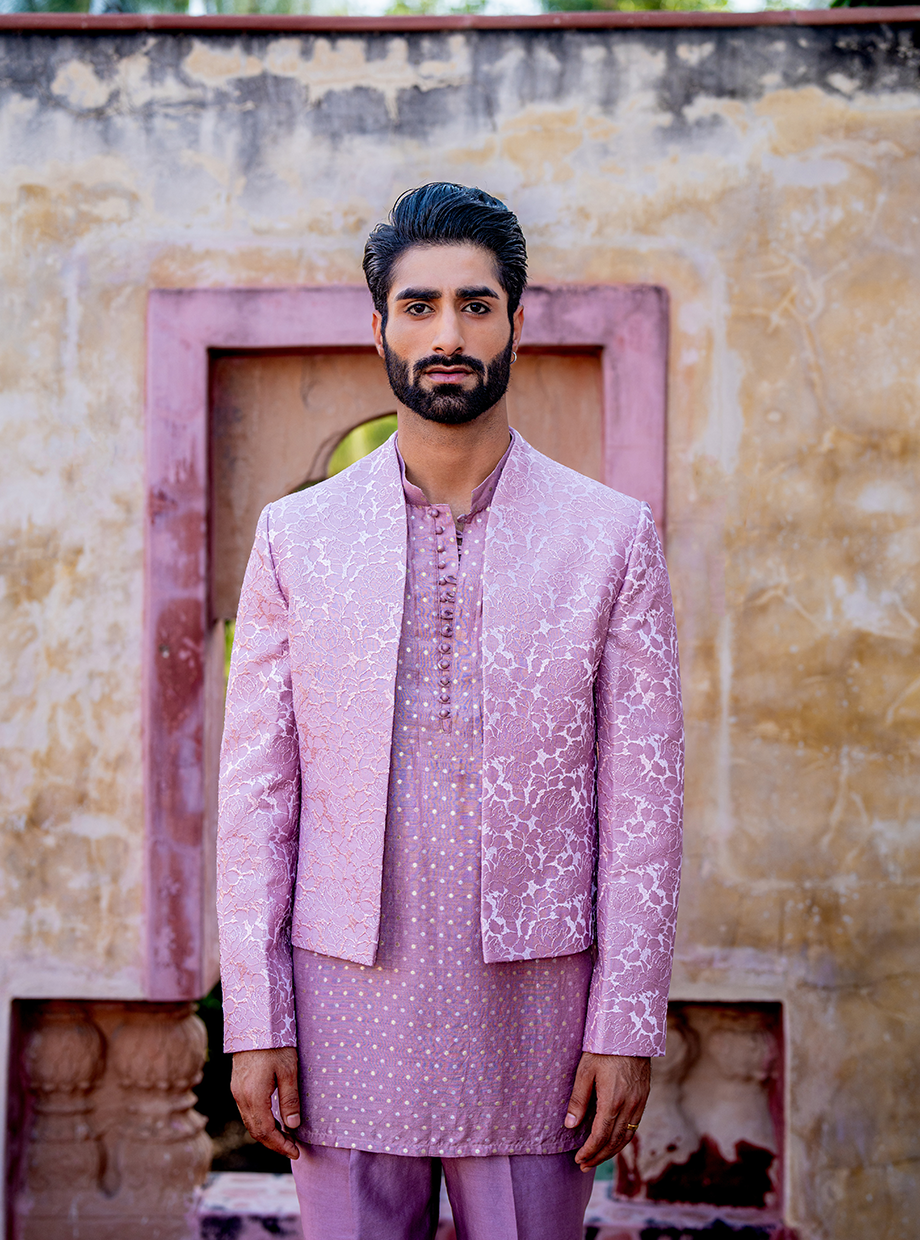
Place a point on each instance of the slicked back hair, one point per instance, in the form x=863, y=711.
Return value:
x=443, y=213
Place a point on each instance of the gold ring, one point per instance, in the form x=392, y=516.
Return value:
x=632, y=1125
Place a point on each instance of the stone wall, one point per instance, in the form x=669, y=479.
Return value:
x=768, y=177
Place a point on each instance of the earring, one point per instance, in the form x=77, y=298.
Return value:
x=513, y=356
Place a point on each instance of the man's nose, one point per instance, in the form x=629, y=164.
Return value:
x=448, y=338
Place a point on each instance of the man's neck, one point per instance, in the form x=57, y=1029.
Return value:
x=448, y=463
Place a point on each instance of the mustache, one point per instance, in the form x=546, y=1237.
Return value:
x=459, y=359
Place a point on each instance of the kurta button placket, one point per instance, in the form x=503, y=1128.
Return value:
x=442, y=617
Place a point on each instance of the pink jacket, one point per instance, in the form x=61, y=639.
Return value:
x=582, y=763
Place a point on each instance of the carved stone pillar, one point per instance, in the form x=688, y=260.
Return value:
x=114, y=1146
x=64, y=1057
x=712, y=1130
x=163, y=1152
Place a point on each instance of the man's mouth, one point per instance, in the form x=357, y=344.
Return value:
x=447, y=374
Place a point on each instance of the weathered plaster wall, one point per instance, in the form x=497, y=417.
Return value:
x=770, y=179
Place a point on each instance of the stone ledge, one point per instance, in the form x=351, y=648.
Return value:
x=248, y=1205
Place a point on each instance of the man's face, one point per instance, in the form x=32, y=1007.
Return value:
x=447, y=342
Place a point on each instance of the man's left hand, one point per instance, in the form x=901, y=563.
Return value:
x=619, y=1085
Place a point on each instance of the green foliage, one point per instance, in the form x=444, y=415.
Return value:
x=45, y=6
x=418, y=8
x=632, y=6
x=357, y=443
x=85, y=6
x=214, y=7
x=868, y=4
x=229, y=634
x=259, y=6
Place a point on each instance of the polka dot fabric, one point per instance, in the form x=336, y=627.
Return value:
x=431, y=1051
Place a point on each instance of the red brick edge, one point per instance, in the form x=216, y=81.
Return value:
x=55, y=23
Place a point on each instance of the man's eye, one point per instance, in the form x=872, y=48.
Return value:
x=417, y=307
x=478, y=307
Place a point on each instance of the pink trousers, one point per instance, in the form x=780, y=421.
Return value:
x=355, y=1195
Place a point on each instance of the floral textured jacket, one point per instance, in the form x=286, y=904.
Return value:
x=582, y=742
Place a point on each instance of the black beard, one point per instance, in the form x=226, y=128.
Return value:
x=444, y=402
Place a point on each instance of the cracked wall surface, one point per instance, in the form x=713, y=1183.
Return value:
x=769, y=178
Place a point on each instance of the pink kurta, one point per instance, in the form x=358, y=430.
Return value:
x=431, y=1051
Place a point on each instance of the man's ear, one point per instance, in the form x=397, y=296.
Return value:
x=377, y=327
x=517, y=326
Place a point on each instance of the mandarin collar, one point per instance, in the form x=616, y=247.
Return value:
x=482, y=496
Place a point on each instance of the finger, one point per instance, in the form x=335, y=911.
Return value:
x=580, y=1098
x=254, y=1102
x=609, y=1137
x=264, y=1130
x=601, y=1136
x=611, y=1116
x=289, y=1099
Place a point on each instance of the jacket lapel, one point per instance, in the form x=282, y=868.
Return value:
x=348, y=646
x=537, y=780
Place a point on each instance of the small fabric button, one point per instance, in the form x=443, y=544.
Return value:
x=444, y=712
x=445, y=680
x=447, y=630
x=444, y=649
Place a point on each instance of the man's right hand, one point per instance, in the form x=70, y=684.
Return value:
x=256, y=1076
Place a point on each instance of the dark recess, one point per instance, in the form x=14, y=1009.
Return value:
x=235, y=1149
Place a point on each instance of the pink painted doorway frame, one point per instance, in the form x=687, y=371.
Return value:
x=626, y=324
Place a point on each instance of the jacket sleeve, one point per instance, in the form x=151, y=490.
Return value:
x=258, y=815
x=639, y=802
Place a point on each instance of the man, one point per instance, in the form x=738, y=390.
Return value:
x=451, y=788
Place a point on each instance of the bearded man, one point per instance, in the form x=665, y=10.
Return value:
x=451, y=788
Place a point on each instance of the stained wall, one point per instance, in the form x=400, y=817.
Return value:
x=769, y=178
